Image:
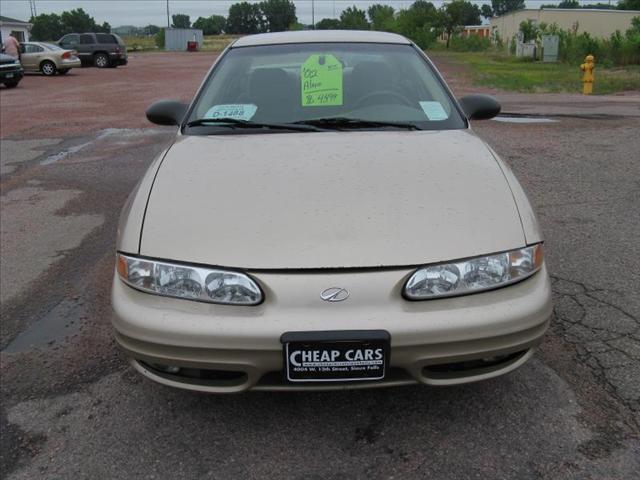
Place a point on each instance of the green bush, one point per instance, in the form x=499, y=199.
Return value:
x=423, y=37
x=617, y=50
x=419, y=23
x=160, y=38
x=471, y=43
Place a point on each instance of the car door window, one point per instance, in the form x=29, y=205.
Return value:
x=86, y=39
x=29, y=48
x=70, y=40
x=103, y=38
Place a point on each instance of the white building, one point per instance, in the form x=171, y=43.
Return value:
x=595, y=22
x=19, y=28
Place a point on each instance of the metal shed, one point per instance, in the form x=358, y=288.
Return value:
x=176, y=39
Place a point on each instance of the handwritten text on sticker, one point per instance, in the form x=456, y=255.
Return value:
x=321, y=77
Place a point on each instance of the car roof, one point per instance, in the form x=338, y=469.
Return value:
x=318, y=36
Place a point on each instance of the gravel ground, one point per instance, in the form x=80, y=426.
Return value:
x=72, y=408
x=90, y=99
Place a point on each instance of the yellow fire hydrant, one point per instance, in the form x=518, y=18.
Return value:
x=587, y=79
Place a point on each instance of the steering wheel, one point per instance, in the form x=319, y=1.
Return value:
x=383, y=93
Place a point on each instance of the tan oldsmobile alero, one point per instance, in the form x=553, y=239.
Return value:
x=326, y=218
x=48, y=58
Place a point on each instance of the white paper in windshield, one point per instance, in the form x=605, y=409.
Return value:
x=434, y=110
x=239, y=111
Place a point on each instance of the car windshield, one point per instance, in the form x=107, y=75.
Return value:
x=323, y=86
x=50, y=46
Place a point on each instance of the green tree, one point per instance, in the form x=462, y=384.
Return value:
x=635, y=26
x=629, y=5
x=600, y=6
x=213, y=25
x=52, y=26
x=456, y=14
x=79, y=21
x=569, y=4
x=419, y=22
x=245, y=17
x=180, y=20
x=576, y=4
x=328, y=24
x=353, y=18
x=500, y=7
x=486, y=11
x=160, y=38
x=529, y=30
x=278, y=14
x=382, y=17
x=151, y=29
x=47, y=27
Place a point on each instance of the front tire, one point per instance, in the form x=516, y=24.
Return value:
x=13, y=84
x=48, y=68
x=63, y=71
x=101, y=60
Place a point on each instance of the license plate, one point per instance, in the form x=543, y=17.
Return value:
x=9, y=75
x=340, y=356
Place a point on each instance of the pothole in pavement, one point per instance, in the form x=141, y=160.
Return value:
x=122, y=136
x=64, y=154
x=14, y=153
x=63, y=321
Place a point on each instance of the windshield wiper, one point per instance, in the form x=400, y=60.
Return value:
x=237, y=123
x=338, y=123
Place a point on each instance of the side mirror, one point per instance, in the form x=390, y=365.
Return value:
x=167, y=112
x=479, y=107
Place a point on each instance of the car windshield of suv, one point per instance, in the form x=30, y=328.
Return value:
x=323, y=86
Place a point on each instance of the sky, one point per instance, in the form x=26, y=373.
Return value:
x=145, y=12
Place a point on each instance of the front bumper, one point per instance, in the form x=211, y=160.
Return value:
x=11, y=74
x=492, y=332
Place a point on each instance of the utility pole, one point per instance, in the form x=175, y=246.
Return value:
x=313, y=14
x=168, y=23
x=32, y=6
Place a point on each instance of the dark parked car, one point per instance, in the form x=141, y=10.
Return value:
x=11, y=71
x=100, y=49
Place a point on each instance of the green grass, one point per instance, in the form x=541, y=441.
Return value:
x=212, y=43
x=217, y=43
x=505, y=72
x=139, y=44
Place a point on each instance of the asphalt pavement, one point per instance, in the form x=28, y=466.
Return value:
x=73, y=408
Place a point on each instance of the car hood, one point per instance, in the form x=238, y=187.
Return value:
x=7, y=58
x=329, y=200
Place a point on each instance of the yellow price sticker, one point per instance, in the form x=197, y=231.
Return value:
x=321, y=77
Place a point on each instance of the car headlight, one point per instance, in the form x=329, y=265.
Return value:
x=473, y=275
x=189, y=282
